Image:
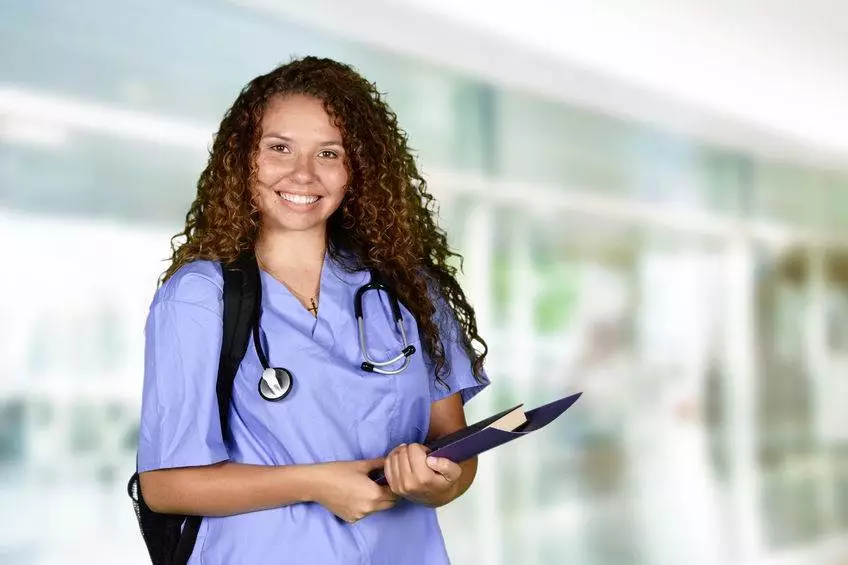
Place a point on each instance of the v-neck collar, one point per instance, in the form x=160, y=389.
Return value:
x=334, y=299
x=296, y=310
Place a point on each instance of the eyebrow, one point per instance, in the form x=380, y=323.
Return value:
x=288, y=139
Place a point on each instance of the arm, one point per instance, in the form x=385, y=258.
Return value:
x=409, y=471
x=226, y=488
x=447, y=416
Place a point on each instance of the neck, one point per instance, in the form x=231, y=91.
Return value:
x=280, y=250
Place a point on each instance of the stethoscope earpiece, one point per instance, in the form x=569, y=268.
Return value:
x=406, y=353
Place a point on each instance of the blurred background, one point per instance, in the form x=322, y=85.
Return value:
x=651, y=197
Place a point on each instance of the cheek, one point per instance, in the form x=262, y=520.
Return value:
x=269, y=172
x=335, y=180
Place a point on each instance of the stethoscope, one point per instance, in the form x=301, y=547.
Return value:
x=277, y=382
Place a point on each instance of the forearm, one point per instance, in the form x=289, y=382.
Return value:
x=229, y=488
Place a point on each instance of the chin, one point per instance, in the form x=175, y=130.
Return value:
x=297, y=224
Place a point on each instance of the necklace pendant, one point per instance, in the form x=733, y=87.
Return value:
x=314, y=308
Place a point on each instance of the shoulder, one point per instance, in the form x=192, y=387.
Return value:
x=198, y=282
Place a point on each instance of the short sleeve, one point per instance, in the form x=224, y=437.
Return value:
x=461, y=376
x=180, y=425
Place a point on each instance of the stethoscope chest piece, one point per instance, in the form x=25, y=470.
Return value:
x=275, y=384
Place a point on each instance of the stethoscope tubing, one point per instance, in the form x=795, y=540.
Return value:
x=276, y=382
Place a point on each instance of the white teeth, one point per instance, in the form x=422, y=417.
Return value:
x=298, y=198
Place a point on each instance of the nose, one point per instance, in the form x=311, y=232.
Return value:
x=304, y=169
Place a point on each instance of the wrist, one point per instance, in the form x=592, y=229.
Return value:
x=453, y=492
x=310, y=480
x=442, y=497
x=458, y=487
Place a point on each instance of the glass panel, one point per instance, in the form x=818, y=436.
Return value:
x=835, y=199
x=613, y=317
x=788, y=194
x=802, y=314
x=574, y=149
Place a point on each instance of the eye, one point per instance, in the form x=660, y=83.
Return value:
x=328, y=154
x=280, y=148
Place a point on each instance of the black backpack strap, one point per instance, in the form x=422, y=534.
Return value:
x=241, y=289
x=185, y=545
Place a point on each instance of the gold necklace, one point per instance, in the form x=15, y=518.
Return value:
x=313, y=300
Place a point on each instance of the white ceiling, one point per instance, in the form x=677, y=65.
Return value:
x=770, y=76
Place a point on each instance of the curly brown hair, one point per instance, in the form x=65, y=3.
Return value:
x=385, y=222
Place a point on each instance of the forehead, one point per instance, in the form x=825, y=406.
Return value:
x=298, y=114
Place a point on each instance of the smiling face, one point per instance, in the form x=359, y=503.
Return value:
x=301, y=172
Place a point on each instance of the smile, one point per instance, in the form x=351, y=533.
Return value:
x=304, y=199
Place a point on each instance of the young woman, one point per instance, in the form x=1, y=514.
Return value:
x=310, y=172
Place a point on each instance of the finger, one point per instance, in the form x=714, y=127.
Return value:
x=397, y=478
x=383, y=500
x=386, y=504
x=389, y=494
x=389, y=471
x=418, y=463
x=388, y=497
x=445, y=467
x=371, y=464
x=404, y=469
x=347, y=518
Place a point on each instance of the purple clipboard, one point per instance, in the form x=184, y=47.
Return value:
x=480, y=437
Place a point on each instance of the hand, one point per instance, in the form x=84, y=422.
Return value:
x=415, y=476
x=346, y=490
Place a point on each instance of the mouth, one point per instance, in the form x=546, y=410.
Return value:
x=298, y=199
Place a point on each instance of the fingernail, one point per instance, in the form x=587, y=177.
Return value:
x=431, y=461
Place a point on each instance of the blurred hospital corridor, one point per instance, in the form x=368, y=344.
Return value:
x=652, y=204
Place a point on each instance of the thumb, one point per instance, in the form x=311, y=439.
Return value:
x=371, y=464
x=445, y=467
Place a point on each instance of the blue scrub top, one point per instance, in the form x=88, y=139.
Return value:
x=335, y=412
